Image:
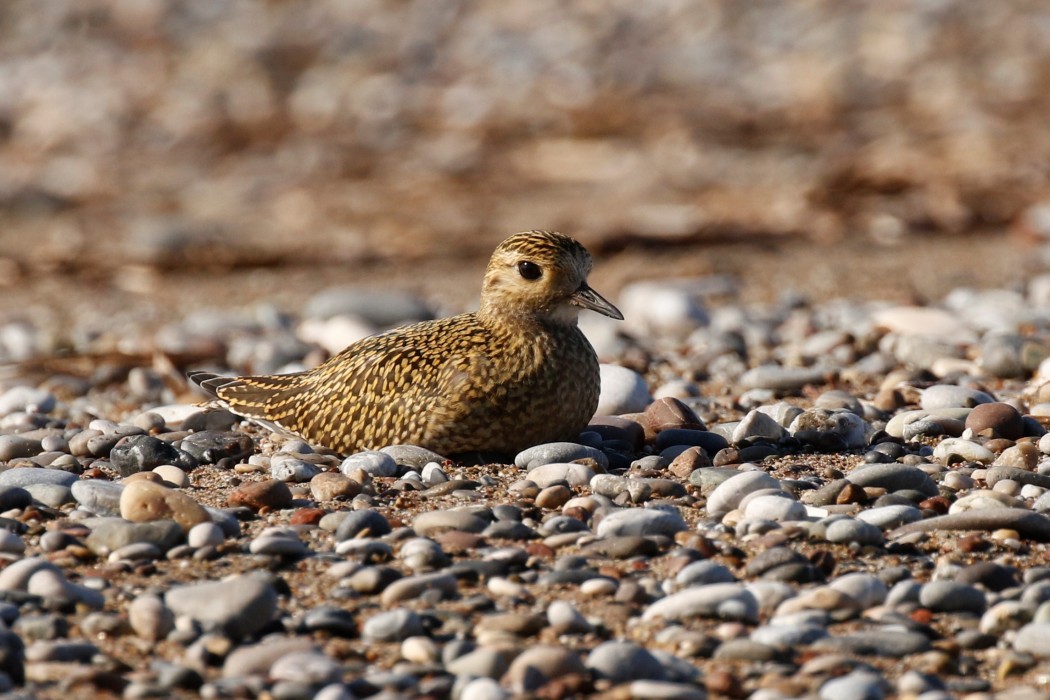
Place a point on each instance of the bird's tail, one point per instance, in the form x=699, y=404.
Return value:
x=271, y=399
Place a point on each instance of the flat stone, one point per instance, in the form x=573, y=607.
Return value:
x=724, y=601
x=641, y=522
x=1028, y=524
x=238, y=606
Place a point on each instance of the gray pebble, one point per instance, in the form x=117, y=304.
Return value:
x=362, y=523
x=641, y=521
x=893, y=477
x=952, y=396
x=1034, y=639
x=620, y=662
x=728, y=495
x=238, y=606
x=15, y=447
x=371, y=462
x=437, y=521
x=847, y=530
x=292, y=470
x=558, y=452
x=138, y=453
x=725, y=601
x=412, y=455
x=1028, y=524
x=25, y=477
x=858, y=685
x=109, y=534
x=392, y=626
x=776, y=378
x=309, y=668
x=150, y=618
x=952, y=596
x=25, y=399
x=622, y=391
x=888, y=517
x=97, y=496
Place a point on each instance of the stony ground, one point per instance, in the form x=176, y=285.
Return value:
x=809, y=497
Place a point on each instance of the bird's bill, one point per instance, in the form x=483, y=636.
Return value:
x=589, y=299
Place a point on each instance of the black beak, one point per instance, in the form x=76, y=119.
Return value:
x=589, y=299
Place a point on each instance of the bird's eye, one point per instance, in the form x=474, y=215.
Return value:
x=529, y=270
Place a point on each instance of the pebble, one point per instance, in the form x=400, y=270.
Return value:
x=622, y=391
x=238, y=607
x=144, y=501
x=25, y=477
x=556, y=453
x=641, y=522
x=731, y=492
x=392, y=626
x=362, y=523
x=150, y=618
x=328, y=486
x=292, y=470
x=621, y=662
x=374, y=463
x=1028, y=524
x=137, y=453
x=724, y=601
x=257, y=495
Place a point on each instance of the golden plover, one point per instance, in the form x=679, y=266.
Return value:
x=516, y=373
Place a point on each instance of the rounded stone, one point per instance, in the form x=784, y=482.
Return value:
x=144, y=501
x=150, y=618
x=328, y=486
x=256, y=495
x=237, y=606
x=998, y=420
x=621, y=662
x=622, y=391
x=371, y=462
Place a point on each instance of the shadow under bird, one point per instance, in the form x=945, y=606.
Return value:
x=517, y=372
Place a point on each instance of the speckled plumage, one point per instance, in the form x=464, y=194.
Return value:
x=516, y=373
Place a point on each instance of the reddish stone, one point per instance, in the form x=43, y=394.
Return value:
x=307, y=516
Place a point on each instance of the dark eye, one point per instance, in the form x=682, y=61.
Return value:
x=529, y=270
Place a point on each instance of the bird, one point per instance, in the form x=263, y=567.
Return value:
x=517, y=372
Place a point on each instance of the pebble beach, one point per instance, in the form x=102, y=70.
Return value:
x=820, y=467
x=826, y=500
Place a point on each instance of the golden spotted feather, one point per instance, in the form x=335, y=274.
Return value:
x=516, y=373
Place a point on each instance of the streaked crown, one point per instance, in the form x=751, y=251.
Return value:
x=535, y=273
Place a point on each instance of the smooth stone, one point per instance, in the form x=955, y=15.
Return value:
x=778, y=509
x=412, y=456
x=97, y=496
x=172, y=477
x=942, y=421
x=981, y=499
x=61, y=651
x=725, y=601
x=782, y=379
x=1034, y=639
x=309, y=668
x=573, y=474
x=756, y=425
x=257, y=659
x=850, y=429
x=26, y=399
x=328, y=486
x=51, y=495
x=875, y=642
x=537, y=665
x=893, y=477
x=888, y=517
x=12, y=497
x=1022, y=476
x=856, y=685
x=439, y=521
x=16, y=447
x=622, y=391
x=997, y=419
x=292, y=470
x=23, y=477
x=110, y=534
x=865, y=588
x=1027, y=524
x=371, y=462
x=212, y=446
x=362, y=523
x=621, y=662
x=392, y=626
x=788, y=636
x=664, y=690
x=414, y=586
x=482, y=688
x=10, y=543
x=144, y=501
x=952, y=596
x=967, y=450
x=703, y=573
x=278, y=544
x=52, y=584
x=564, y=618
x=15, y=576
x=257, y=495
x=641, y=522
x=206, y=534
x=729, y=494
x=238, y=606
x=137, y=453
x=952, y=396
x=850, y=530
x=558, y=453
x=925, y=322
x=150, y=618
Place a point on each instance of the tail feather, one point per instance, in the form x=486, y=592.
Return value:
x=271, y=398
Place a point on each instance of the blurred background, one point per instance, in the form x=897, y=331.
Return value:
x=161, y=155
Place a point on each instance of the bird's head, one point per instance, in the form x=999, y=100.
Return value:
x=542, y=275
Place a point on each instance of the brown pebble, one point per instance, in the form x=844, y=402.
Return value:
x=257, y=495
x=725, y=457
x=938, y=504
x=458, y=541
x=851, y=493
x=328, y=486
x=669, y=413
x=888, y=400
x=306, y=516
x=996, y=420
x=143, y=476
x=972, y=543
x=719, y=682
x=553, y=497
x=144, y=501
x=688, y=461
x=538, y=549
